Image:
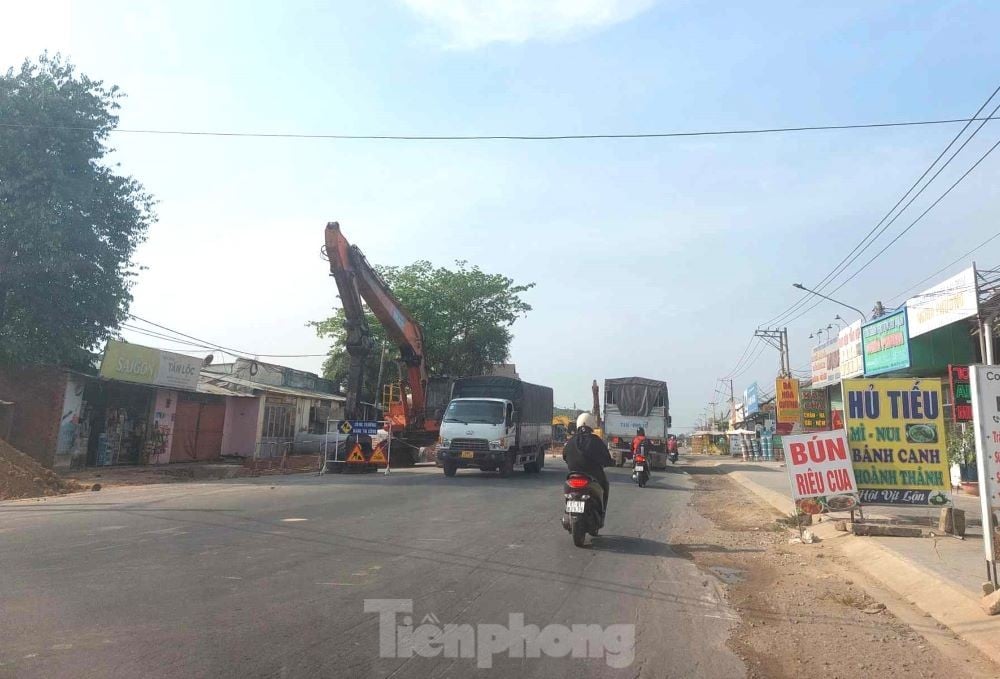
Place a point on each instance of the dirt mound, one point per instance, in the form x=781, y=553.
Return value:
x=21, y=476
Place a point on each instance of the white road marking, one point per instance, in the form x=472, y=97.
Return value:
x=293, y=519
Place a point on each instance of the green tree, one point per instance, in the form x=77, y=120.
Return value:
x=466, y=315
x=69, y=224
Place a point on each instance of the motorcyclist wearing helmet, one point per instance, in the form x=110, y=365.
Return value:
x=640, y=436
x=587, y=454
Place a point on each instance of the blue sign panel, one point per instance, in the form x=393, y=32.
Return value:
x=361, y=427
x=751, y=398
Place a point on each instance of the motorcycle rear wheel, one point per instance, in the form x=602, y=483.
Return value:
x=579, y=532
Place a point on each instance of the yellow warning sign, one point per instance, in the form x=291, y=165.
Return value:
x=378, y=457
x=356, y=455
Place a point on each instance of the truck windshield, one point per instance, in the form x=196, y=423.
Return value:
x=479, y=412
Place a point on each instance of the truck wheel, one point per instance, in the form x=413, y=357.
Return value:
x=449, y=468
x=507, y=466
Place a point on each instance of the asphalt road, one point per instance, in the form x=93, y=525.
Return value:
x=269, y=577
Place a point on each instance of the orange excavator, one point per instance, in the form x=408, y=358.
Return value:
x=413, y=406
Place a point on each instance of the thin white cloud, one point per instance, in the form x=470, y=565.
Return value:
x=468, y=24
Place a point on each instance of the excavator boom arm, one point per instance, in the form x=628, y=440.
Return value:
x=357, y=280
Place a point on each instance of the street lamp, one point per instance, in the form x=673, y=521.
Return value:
x=835, y=301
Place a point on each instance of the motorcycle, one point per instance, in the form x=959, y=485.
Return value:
x=640, y=470
x=584, y=507
x=673, y=457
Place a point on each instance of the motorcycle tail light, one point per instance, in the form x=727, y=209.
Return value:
x=578, y=482
x=640, y=459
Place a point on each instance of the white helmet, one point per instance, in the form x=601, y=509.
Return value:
x=586, y=420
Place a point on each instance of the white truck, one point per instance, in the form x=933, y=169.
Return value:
x=631, y=403
x=495, y=423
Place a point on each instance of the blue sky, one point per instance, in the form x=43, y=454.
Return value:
x=651, y=257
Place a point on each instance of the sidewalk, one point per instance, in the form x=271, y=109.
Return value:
x=941, y=575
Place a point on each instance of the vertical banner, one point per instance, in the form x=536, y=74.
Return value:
x=896, y=432
x=789, y=414
x=820, y=471
x=815, y=410
x=752, y=399
x=985, y=380
x=961, y=394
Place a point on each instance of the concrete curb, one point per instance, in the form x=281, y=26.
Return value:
x=951, y=606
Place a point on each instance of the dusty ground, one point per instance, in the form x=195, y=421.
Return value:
x=22, y=477
x=802, y=612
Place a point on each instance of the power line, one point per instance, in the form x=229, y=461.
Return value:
x=862, y=246
x=740, y=360
x=946, y=266
x=502, y=137
x=219, y=347
x=751, y=362
x=904, y=231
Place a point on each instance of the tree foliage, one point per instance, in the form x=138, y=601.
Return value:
x=466, y=315
x=69, y=224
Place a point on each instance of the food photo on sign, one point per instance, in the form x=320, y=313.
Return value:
x=897, y=440
x=821, y=472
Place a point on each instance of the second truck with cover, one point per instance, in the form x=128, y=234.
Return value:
x=631, y=403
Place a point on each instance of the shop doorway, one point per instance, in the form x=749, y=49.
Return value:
x=118, y=417
x=198, y=428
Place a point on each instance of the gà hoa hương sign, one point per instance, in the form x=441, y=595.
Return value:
x=144, y=365
x=787, y=395
x=896, y=433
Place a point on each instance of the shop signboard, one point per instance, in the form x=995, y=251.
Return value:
x=787, y=394
x=144, y=365
x=752, y=399
x=820, y=471
x=961, y=393
x=815, y=407
x=951, y=300
x=849, y=347
x=826, y=363
x=896, y=432
x=985, y=383
x=818, y=365
x=885, y=344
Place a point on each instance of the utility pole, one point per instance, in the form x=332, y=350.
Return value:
x=779, y=340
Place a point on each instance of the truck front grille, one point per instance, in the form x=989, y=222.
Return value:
x=478, y=445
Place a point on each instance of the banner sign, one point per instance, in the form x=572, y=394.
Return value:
x=820, y=471
x=849, y=346
x=144, y=365
x=885, y=344
x=961, y=393
x=985, y=383
x=896, y=431
x=951, y=300
x=752, y=399
x=787, y=395
x=814, y=410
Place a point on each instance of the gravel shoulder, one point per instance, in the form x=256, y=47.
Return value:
x=802, y=611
